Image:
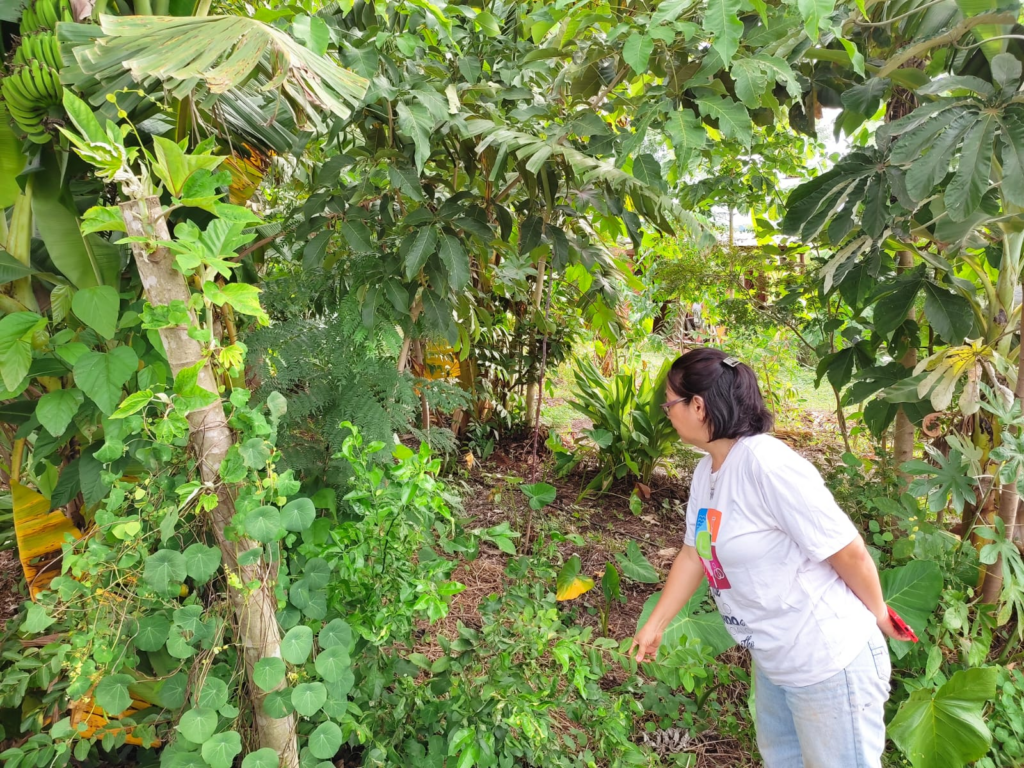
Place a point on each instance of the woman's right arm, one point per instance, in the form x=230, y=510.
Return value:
x=683, y=580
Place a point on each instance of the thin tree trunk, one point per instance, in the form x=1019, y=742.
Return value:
x=1009, y=501
x=538, y=295
x=904, y=432
x=257, y=629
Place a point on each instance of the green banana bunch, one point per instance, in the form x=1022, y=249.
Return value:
x=42, y=46
x=44, y=14
x=29, y=92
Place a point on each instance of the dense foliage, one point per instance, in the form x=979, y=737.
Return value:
x=237, y=242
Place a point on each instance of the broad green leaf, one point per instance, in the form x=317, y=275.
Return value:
x=315, y=250
x=570, y=584
x=635, y=566
x=278, y=703
x=243, y=298
x=85, y=261
x=36, y=619
x=112, y=693
x=164, y=568
x=648, y=170
x=308, y=698
x=913, y=591
x=101, y=375
x=134, y=403
x=721, y=19
x=539, y=494
x=488, y=24
x=332, y=663
x=261, y=758
x=10, y=268
x=317, y=573
x=84, y=118
x=98, y=308
x=16, y=331
x=313, y=32
x=268, y=673
x=611, y=584
x=891, y=310
x=297, y=515
x=214, y=694
x=152, y=633
x=336, y=633
x=414, y=121
x=255, y=452
x=187, y=387
x=221, y=750
x=926, y=171
x=946, y=728
x=732, y=117
x=201, y=562
x=263, y=524
x=358, y=236
x=455, y=260
x=325, y=741
x=751, y=81
x=815, y=13
x=416, y=249
x=706, y=627
x=637, y=51
x=971, y=180
x=297, y=644
x=173, y=166
x=950, y=314
x=103, y=218
x=687, y=135
x=56, y=409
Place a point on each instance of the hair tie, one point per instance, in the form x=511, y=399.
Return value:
x=732, y=362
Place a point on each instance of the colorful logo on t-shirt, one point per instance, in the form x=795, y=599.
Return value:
x=708, y=523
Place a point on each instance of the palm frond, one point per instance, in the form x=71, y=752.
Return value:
x=210, y=58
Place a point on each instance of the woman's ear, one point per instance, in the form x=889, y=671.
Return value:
x=697, y=403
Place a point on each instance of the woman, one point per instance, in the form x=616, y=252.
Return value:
x=791, y=575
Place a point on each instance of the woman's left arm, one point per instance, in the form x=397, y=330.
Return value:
x=854, y=565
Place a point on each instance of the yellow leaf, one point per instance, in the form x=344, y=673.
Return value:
x=578, y=586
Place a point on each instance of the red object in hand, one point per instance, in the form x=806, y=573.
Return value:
x=904, y=630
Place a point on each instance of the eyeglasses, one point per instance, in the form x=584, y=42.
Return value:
x=666, y=407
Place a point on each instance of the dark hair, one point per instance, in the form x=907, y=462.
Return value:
x=732, y=398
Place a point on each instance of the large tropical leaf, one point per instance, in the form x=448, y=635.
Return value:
x=706, y=627
x=945, y=728
x=913, y=591
x=210, y=56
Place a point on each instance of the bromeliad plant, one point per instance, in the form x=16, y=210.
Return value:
x=630, y=432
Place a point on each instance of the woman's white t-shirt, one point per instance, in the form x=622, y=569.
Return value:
x=764, y=536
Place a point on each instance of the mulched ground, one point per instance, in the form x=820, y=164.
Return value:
x=12, y=585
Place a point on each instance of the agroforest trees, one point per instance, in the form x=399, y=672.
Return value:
x=235, y=237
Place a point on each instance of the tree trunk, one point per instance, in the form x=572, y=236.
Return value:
x=257, y=629
x=1009, y=501
x=904, y=434
x=538, y=294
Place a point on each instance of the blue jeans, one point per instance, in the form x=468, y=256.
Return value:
x=837, y=723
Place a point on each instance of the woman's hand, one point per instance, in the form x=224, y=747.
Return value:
x=646, y=643
x=889, y=628
x=885, y=624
